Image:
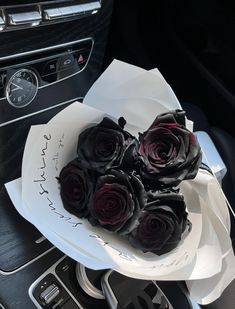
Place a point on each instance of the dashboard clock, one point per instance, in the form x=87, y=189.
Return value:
x=22, y=88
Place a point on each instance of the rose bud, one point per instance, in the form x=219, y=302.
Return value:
x=160, y=225
x=170, y=151
x=104, y=146
x=117, y=201
x=75, y=189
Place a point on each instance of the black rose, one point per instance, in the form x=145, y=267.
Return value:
x=105, y=146
x=161, y=224
x=117, y=201
x=75, y=189
x=170, y=151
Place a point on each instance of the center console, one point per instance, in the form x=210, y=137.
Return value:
x=51, y=52
x=63, y=285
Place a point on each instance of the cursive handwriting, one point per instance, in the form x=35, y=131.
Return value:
x=43, y=166
x=56, y=155
x=42, y=179
x=106, y=243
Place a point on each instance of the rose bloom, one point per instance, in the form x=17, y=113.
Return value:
x=117, y=201
x=75, y=189
x=160, y=224
x=170, y=151
x=105, y=146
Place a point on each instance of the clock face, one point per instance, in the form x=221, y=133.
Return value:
x=22, y=88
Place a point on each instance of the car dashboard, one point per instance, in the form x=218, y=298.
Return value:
x=51, y=52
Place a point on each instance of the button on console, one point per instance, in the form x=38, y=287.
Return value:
x=33, y=18
x=51, y=14
x=66, y=62
x=50, y=67
x=82, y=56
x=49, y=294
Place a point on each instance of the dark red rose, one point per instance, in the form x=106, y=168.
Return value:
x=75, y=189
x=117, y=201
x=105, y=146
x=161, y=224
x=170, y=151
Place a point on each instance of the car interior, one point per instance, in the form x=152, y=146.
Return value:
x=51, y=53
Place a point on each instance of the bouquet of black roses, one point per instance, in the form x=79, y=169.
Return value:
x=129, y=197
x=128, y=186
